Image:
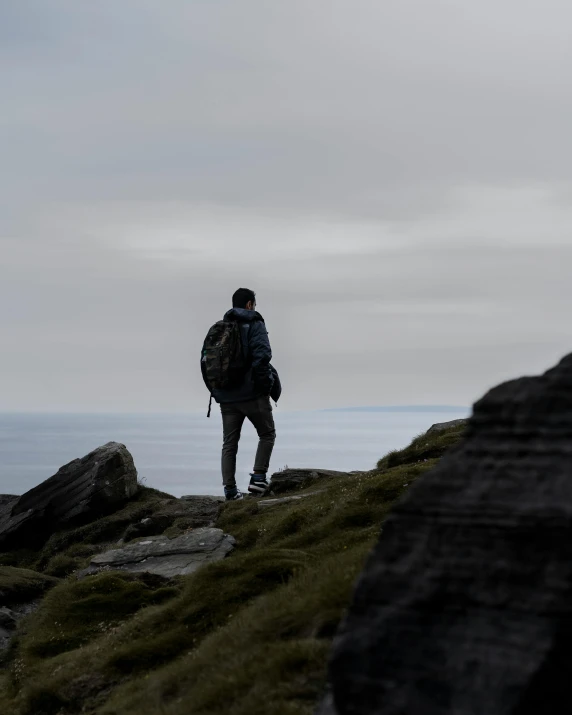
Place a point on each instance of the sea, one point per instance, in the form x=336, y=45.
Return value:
x=180, y=453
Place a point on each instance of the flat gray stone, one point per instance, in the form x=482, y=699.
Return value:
x=167, y=557
x=285, y=500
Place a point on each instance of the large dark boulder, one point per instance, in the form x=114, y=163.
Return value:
x=465, y=606
x=81, y=491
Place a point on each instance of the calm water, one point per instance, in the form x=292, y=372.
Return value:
x=180, y=453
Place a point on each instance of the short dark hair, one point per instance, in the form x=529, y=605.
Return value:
x=242, y=297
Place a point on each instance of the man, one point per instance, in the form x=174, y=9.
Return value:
x=248, y=398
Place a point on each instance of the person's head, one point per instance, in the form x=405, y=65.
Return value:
x=244, y=298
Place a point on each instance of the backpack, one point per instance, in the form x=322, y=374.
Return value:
x=223, y=361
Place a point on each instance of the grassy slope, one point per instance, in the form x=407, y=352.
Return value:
x=248, y=635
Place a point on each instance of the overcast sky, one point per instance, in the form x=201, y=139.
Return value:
x=393, y=179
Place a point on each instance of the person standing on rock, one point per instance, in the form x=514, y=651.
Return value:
x=235, y=364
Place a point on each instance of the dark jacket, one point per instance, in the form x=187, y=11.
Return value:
x=261, y=378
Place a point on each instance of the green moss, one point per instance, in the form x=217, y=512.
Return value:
x=270, y=659
x=76, y=611
x=21, y=585
x=63, y=565
x=253, y=630
x=423, y=447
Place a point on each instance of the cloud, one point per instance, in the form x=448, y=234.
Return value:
x=394, y=179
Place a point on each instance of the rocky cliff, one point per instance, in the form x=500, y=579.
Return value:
x=464, y=605
x=126, y=612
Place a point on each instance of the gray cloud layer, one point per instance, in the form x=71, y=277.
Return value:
x=394, y=179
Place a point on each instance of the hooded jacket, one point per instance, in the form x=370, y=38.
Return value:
x=261, y=379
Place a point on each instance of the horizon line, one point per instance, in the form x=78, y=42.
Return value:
x=354, y=408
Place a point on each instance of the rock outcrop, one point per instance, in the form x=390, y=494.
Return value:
x=167, y=557
x=290, y=479
x=82, y=490
x=184, y=513
x=442, y=426
x=465, y=605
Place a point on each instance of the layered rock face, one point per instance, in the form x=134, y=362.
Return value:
x=465, y=606
x=81, y=490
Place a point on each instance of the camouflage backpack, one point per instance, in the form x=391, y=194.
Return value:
x=223, y=361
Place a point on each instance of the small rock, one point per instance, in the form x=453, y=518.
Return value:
x=290, y=479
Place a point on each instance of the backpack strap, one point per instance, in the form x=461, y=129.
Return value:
x=210, y=405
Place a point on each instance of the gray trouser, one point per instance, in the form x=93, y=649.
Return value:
x=259, y=412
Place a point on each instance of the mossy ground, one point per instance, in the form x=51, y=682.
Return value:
x=21, y=585
x=246, y=636
x=423, y=447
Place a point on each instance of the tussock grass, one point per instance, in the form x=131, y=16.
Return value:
x=423, y=447
x=248, y=635
x=21, y=585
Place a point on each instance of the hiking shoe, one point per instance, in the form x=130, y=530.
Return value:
x=258, y=484
x=233, y=494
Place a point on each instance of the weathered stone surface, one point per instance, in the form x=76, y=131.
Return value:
x=82, y=490
x=9, y=618
x=187, y=512
x=465, y=606
x=202, y=509
x=167, y=557
x=290, y=479
x=441, y=426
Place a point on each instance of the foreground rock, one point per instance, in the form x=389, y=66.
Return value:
x=167, y=557
x=464, y=608
x=290, y=479
x=81, y=491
